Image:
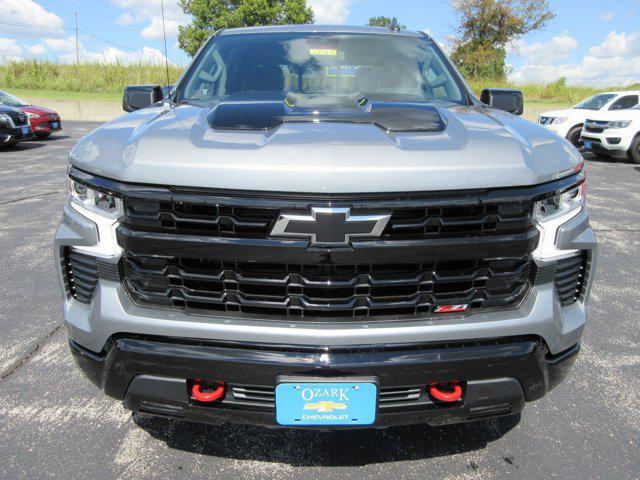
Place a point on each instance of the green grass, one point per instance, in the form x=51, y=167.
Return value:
x=557, y=92
x=61, y=95
x=94, y=78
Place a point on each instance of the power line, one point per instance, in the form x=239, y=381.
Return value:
x=109, y=42
x=26, y=25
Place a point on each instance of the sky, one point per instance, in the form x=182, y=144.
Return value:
x=590, y=42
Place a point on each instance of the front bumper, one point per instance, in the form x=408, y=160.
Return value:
x=152, y=375
x=46, y=125
x=613, y=142
x=14, y=135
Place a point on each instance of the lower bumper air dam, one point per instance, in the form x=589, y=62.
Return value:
x=158, y=376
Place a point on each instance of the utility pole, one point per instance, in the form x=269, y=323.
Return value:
x=164, y=34
x=75, y=14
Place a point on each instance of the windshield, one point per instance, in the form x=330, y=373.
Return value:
x=595, y=102
x=11, y=101
x=382, y=67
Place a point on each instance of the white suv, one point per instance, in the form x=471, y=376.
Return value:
x=568, y=122
x=615, y=134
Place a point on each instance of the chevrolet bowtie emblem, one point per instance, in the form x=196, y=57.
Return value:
x=330, y=226
x=325, y=406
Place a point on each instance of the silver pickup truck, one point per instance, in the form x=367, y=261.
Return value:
x=323, y=227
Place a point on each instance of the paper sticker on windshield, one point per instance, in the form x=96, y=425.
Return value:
x=323, y=51
x=341, y=71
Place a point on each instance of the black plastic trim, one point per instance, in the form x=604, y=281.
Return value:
x=296, y=251
x=292, y=200
x=525, y=360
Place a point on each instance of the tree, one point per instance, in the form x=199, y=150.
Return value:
x=211, y=15
x=383, y=21
x=485, y=29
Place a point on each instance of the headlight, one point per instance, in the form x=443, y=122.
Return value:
x=557, y=120
x=553, y=212
x=619, y=124
x=561, y=204
x=33, y=115
x=6, y=120
x=95, y=200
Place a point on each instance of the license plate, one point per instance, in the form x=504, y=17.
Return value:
x=587, y=144
x=326, y=403
x=25, y=130
x=54, y=125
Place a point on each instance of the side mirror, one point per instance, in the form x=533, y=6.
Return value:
x=140, y=96
x=504, y=99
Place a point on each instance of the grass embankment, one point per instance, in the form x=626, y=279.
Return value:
x=557, y=92
x=105, y=82
x=87, y=81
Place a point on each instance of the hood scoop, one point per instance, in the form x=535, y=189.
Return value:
x=241, y=113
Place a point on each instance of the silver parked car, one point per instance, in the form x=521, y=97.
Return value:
x=323, y=226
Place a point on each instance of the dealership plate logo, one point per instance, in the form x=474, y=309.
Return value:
x=330, y=226
x=325, y=407
x=326, y=403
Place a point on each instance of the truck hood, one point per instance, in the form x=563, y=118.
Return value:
x=628, y=114
x=479, y=148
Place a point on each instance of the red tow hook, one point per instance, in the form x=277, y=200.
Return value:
x=446, y=392
x=205, y=392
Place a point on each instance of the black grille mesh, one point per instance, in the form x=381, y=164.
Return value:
x=570, y=278
x=81, y=273
x=214, y=220
x=19, y=118
x=324, y=290
x=452, y=221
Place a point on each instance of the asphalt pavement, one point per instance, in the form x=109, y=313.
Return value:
x=55, y=424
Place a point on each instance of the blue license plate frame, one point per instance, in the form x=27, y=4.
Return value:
x=55, y=125
x=25, y=130
x=326, y=402
x=588, y=144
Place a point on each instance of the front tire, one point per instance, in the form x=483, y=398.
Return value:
x=574, y=135
x=634, y=150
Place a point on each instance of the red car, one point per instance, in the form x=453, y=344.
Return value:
x=43, y=120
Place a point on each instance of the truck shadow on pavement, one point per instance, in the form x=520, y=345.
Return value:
x=23, y=146
x=313, y=448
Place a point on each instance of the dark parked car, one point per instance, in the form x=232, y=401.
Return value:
x=14, y=126
x=44, y=121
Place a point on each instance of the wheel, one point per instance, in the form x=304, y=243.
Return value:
x=43, y=135
x=634, y=150
x=574, y=135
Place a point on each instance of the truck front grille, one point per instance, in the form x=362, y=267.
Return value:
x=201, y=216
x=317, y=291
x=594, y=126
x=19, y=118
